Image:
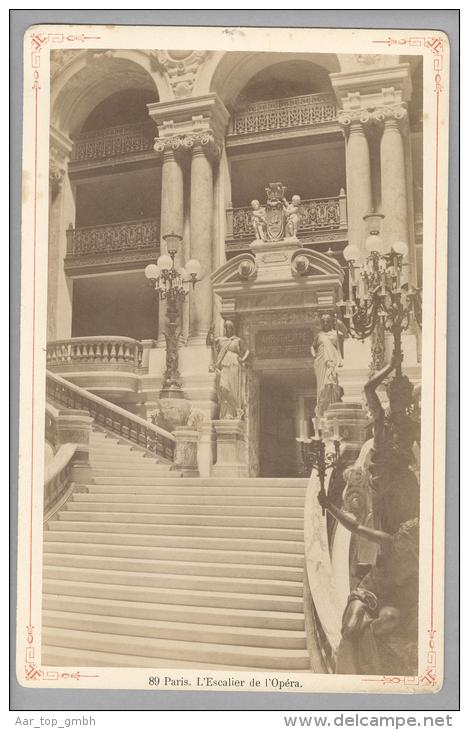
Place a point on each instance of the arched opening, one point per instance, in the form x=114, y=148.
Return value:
x=283, y=129
x=116, y=183
x=282, y=80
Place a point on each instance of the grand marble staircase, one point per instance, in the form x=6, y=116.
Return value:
x=146, y=569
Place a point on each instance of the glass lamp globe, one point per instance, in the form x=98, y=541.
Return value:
x=351, y=252
x=193, y=267
x=172, y=242
x=152, y=271
x=400, y=248
x=374, y=243
x=164, y=262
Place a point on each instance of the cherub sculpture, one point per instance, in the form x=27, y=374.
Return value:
x=292, y=215
x=258, y=220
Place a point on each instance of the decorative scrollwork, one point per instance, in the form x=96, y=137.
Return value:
x=294, y=111
x=113, y=238
x=125, y=139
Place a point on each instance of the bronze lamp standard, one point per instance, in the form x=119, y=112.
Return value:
x=172, y=285
x=376, y=295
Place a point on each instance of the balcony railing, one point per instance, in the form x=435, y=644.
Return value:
x=113, y=238
x=126, y=139
x=275, y=114
x=94, y=353
x=317, y=214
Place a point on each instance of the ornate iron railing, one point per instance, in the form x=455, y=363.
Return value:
x=121, y=353
x=113, y=238
x=125, y=139
x=318, y=214
x=294, y=111
x=124, y=424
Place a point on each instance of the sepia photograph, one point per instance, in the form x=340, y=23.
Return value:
x=233, y=359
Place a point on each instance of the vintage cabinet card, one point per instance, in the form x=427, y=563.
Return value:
x=233, y=359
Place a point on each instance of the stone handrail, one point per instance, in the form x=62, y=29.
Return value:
x=124, y=139
x=120, y=352
x=113, y=237
x=58, y=478
x=117, y=420
x=275, y=114
x=324, y=609
x=316, y=214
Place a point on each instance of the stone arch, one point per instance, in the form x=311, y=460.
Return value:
x=232, y=71
x=88, y=77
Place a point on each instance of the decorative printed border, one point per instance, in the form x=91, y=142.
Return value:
x=435, y=45
x=40, y=40
x=31, y=671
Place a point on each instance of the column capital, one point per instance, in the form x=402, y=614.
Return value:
x=391, y=115
x=59, y=153
x=196, y=142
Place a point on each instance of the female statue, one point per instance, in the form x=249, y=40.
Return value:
x=327, y=352
x=231, y=355
x=394, y=434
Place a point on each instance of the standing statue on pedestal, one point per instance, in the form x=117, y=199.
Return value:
x=327, y=350
x=258, y=220
x=292, y=216
x=230, y=359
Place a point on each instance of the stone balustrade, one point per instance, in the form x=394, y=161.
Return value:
x=125, y=139
x=316, y=215
x=94, y=353
x=118, y=421
x=278, y=114
x=113, y=238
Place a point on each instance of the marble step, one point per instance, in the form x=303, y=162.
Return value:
x=178, y=596
x=171, y=554
x=286, y=541
x=231, y=617
x=206, y=508
x=190, y=582
x=280, y=659
x=203, y=520
x=201, y=482
x=172, y=630
x=183, y=567
x=61, y=656
x=226, y=500
x=182, y=490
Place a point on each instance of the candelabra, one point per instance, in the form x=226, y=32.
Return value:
x=314, y=455
x=377, y=297
x=172, y=284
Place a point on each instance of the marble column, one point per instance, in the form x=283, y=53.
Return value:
x=204, y=149
x=393, y=176
x=61, y=216
x=358, y=171
x=172, y=208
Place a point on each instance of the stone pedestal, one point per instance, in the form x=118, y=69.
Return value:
x=206, y=449
x=74, y=426
x=349, y=422
x=185, y=455
x=231, y=449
